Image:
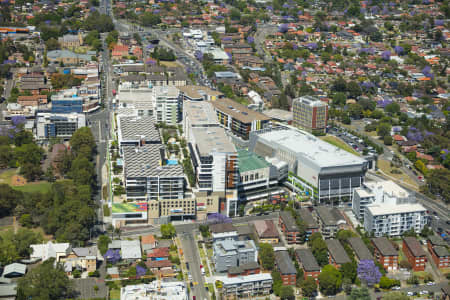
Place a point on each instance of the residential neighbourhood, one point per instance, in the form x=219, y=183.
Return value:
x=197, y=150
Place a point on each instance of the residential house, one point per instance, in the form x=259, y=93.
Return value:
x=84, y=259
x=223, y=231
x=130, y=250
x=308, y=263
x=158, y=254
x=414, y=253
x=385, y=253
x=14, y=270
x=34, y=100
x=337, y=256
x=266, y=231
x=50, y=250
x=285, y=267
x=71, y=40
x=148, y=242
x=289, y=227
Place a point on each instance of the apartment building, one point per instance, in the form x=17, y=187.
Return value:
x=311, y=225
x=310, y=114
x=167, y=104
x=330, y=221
x=67, y=101
x=174, y=290
x=147, y=177
x=385, y=253
x=316, y=168
x=231, y=253
x=198, y=114
x=362, y=197
x=308, y=263
x=414, y=253
x=360, y=249
x=438, y=250
x=285, y=267
x=199, y=93
x=239, y=119
x=337, y=256
x=137, y=131
x=246, y=286
x=289, y=227
x=394, y=220
x=50, y=125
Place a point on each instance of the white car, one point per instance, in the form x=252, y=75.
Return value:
x=430, y=283
x=410, y=294
x=424, y=292
x=395, y=288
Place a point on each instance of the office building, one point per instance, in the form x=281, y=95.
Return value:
x=285, y=267
x=414, y=253
x=137, y=131
x=310, y=114
x=385, y=253
x=337, y=256
x=360, y=249
x=308, y=263
x=50, y=125
x=289, y=227
x=239, y=119
x=231, y=253
x=66, y=102
x=246, y=286
x=439, y=252
x=155, y=290
x=394, y=220
x=147, y=177
x=167, y=104
x=316, y=168
x=330, y=221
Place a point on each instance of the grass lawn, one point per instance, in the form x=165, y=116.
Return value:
x=5, y=176
x=385, y=166
x=42, y=186
x=339, y=143
x=170, y=64
x=106, y=210
x=114, y=294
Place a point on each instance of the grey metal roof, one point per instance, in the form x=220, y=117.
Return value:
x=15, y=268
x=138, y=128
x=288, y=221
x=307, y=260
x=307, y=218
x=8, y=290
x=337, y=251
x=131, y=249
x=413, y=244
x=212, y=139
x=441, y=251
x=146, y=161
x=361, y=250
x=384, y=246
x=329, y=216
x=436, y=240
x=284, y=263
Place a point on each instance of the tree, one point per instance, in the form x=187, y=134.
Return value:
x=319, y=248
x=384, y=129
x=368, y=272
x=355, y=110
x=309, y=287
x=348, y=270
x=359, y=294
x=102, y=243
x=339, y=99
x=392, y=108
x=330, y=280
x=287, y=292
x=266, y=256
x=395, y=296
x=387, y=283
x=354, y=90
x=387, y=140
x=45, y=282
x=8, y=199
x=168, y=231
x=81, y=139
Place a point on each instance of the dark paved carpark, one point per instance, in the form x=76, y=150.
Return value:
x=85, y=288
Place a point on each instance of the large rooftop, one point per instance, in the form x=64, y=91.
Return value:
x=212, y=139
x=384, y=245
x=133, y=128
x=337, y=251
x=249, y=161
x=330, y=216
x=146, y=161
x=200, y=113
x=198, y=92
x=320, y=153
x=238, y=111
x=361, y=250
x=379, y=210
x=389, y=187
x=284, y=263
x=307, y=260
x=310, y=100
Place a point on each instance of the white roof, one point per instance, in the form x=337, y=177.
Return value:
x=155, y=290
x=131, y=249
x=363, y=193
x=379, y=210
x=15, y=268
x=46, y=251
x=244, y=279
x=389, y=187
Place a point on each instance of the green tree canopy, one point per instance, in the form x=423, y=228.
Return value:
x=168, y=231
x=330, y=280
x=309, y=287
x=361, y=293
x=45, y=282
x=266, y=256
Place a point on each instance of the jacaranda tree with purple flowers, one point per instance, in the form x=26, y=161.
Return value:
x=368, y=272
